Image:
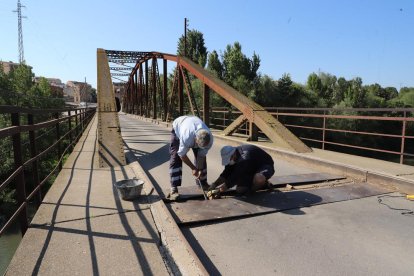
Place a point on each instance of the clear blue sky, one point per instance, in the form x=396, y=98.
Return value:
x=370, y=39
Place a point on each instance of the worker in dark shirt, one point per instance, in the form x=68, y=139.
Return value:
x=247, y=167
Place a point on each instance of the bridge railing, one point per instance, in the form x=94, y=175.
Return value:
x=384, y=133
x=21, y=126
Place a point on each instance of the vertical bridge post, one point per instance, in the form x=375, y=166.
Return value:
x=111, y=151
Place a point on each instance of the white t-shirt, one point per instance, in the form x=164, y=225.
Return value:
x=185, y=127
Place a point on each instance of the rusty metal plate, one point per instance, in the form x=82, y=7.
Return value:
x=277, y=181
x=195, y=211
x=297, y=179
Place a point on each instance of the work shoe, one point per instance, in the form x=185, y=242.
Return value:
x=173, y=196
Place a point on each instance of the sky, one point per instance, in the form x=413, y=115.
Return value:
x=371, y=39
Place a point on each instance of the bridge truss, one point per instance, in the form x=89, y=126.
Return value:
x=149, y=94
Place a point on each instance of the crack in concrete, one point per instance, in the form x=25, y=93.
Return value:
x=404, y=174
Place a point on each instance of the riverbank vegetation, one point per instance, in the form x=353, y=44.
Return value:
x=17, y=88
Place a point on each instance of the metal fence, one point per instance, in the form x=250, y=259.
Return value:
x=375, y=132
x=24, y=122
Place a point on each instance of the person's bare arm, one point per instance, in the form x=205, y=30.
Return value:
x=220, y=180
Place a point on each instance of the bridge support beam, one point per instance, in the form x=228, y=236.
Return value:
x=165, y=90
x=255, y=113
x=141, y=89
x=180, y=91
x=257, y=116
x=234, y=125
x=206, y=105
x=111, y=152
x=136, y=93
x=154, y=88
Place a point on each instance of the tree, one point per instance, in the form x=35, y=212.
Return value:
x=324, y=85
x=408, y=99
x=236, y=64
x=389, y=93
x=340, y=89
x=329, y=85
x=356, y=93
x=404, y=90
x=22, y=78
x=268, y=93
x=314, y=83
x=196, y=50
x=214, y=64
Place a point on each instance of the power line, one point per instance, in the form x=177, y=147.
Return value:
x=20, y=30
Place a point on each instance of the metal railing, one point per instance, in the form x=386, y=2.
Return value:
x=339, y=128
x=26, y=167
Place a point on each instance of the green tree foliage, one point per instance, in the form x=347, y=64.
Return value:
x=196, y=50
x=22, y=78
x=339, y=92
x=214, y=64
x=237, y=70
x=18, y=89
x=236, y=64
x=325, y=86
x=314, y=83
x=321, y=90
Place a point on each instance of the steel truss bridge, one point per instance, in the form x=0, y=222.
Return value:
x=147, y=95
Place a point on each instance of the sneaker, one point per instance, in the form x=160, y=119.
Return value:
x=173, y=196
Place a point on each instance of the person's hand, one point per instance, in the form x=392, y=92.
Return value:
x=196, y=173
x=222, y=188
x=213, y=194
x=212, y=186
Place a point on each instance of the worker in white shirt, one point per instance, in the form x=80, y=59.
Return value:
x=188, y=132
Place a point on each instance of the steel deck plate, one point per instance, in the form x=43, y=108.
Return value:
x=190, y=192
x=194, y=211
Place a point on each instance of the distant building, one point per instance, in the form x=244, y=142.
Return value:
x=78, y=91
x=10, y=66
x=56, y=85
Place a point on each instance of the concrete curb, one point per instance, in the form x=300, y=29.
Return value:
x=394, y=182
x=180, y=254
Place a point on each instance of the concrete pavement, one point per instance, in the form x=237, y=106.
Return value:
x=369, y=236
x=84, y=228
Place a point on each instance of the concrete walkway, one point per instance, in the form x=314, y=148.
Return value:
x=84, y=228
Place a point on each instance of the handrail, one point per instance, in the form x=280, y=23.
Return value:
x=81, y=118
x=4, y=109
x=322, y=128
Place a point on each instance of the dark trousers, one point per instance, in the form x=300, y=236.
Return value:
x=176, y=164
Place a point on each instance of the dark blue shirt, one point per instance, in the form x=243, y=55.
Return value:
x=250, y=159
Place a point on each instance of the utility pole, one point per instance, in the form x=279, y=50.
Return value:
x=20, y=29
x=185, y=36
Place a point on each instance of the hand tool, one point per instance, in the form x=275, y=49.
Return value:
x=201, y=187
